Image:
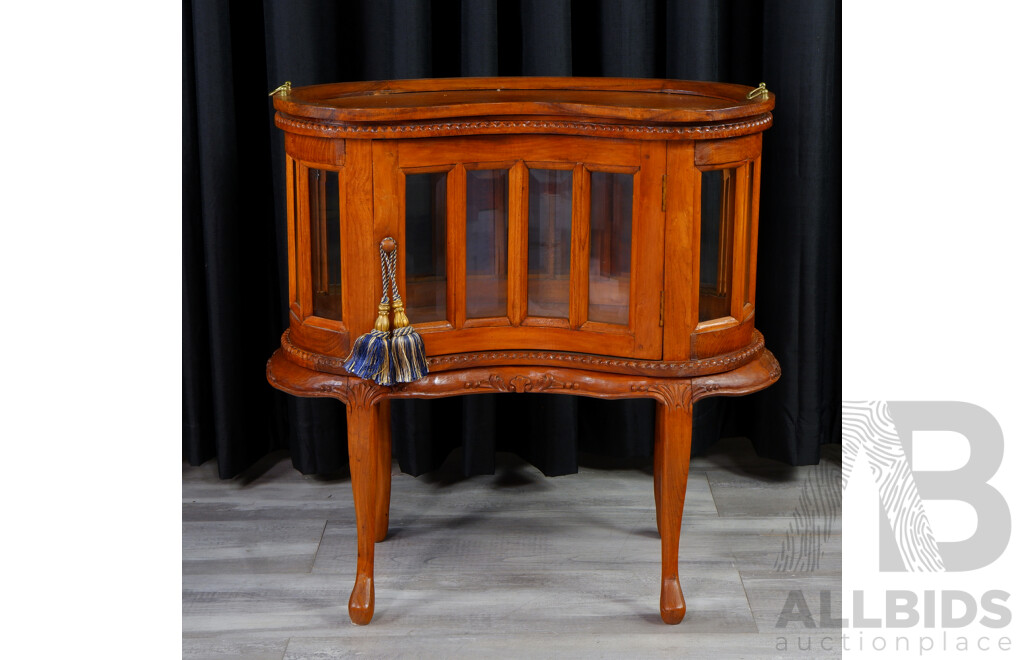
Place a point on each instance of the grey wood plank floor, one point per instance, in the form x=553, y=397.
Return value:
x=512, y=565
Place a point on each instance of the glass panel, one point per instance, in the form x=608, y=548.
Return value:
x=426, y=277
x=611, y=229
x=550, y=227
x=325, y=243
x=486, y=243
x=717, y=212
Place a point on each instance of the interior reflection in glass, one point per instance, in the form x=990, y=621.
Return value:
x=717, y=216
x=486, y=243
x=550, y=228
x=325, y=243
x=611, y=226
x=426, y=276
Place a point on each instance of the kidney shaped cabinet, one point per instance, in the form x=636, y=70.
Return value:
x=587, y=236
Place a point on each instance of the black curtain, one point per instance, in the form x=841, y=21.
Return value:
x=234, y=275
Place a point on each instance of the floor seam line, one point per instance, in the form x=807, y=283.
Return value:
x=711, y=490
x=318, y=544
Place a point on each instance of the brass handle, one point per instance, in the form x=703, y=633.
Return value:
x=760, y=90
x=286, y=88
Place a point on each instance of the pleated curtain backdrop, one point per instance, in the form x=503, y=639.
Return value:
x=233, y=229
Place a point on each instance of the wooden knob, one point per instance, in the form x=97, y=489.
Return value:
x=388, y=245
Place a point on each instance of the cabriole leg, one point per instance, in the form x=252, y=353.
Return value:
x=364, y=455
x=673, y=428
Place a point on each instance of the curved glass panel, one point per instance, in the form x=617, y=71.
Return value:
x=717, y=219
x=325, y=243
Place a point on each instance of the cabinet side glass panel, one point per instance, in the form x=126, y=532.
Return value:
x=486, y=243
x=611, y=229
x=426, y=278
x=717, y=216
x=325, y=243
x=549, y=233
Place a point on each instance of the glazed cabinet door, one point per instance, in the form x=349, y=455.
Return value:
x=725, y=205
x=523, y=242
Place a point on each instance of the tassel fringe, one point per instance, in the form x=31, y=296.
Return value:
x=370, y=356
x=408, y=359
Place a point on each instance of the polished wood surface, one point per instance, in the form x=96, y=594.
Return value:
x=606, y=98
x=567, y=309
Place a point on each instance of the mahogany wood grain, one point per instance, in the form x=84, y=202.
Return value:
x=293, y=278
x=755, y=206
x=518, y=243
x=382, y=478
x=605, y=98
x=455, y=250
x=364, y=456
x=682, y=249
x=721, y=336
x=360, y=266
x=673, y=428
x=316, y=152
x=755, y=375
x=579, y=251
x=732, y=150
x=662, y=368
x=529, y=126
x=322, y=336
x=661, y=133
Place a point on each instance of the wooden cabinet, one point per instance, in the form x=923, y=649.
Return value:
x=568, y=235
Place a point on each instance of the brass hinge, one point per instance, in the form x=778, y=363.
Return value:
x=664, y=185
x=286, y=88
x=661, y=311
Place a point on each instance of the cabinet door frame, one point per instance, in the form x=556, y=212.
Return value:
x=640, y=338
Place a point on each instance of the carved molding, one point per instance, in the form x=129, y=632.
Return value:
x=285, y=374
x=676, y=394
x=658, y=368
x=489, y=126
x=661, y=368
x=520, y=384
x=363, y=393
